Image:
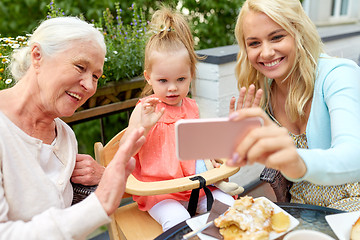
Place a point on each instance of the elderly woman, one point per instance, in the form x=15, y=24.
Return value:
x=56, y=74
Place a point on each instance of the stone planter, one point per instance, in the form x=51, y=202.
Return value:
x=114, y=97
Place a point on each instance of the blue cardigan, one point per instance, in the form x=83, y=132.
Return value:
x=333, y=128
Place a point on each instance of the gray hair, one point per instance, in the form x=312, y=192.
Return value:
x=54, y=35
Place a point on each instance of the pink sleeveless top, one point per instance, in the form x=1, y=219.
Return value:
x=157, y=161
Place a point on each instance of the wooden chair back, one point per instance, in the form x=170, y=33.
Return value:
x=128, y=222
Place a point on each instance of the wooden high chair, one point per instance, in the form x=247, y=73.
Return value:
x=130, y=223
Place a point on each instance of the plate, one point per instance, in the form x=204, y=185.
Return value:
x=307, y=234
x=197, y=222
x=341, y=223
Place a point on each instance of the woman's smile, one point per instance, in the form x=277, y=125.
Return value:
x=272, y=63
x=74, y=95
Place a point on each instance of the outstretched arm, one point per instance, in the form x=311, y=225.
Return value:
x=270, y=145
x=112, y=184
x=78, y=220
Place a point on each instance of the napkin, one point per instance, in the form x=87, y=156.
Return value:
x=217, y=209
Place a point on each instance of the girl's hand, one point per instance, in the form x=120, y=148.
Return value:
x=270, y=145
x=144, y=116
x=246, y=100
x=149, y=115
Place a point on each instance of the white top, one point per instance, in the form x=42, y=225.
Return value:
x=32, y=206
x=52, y=167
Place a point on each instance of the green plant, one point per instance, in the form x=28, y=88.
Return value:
x=21, y=16
x=212, y=21
x=7, y=46
x=53, y=11
x=125, y=43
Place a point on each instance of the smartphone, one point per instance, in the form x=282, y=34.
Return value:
x=211, y=138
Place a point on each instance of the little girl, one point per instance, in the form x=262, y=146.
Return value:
x=170, y=62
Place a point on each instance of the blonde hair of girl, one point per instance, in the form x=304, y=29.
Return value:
x=290, y=15
x=169, y=32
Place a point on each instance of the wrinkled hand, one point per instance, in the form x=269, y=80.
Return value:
x=149, y=115
x=87, y=171
x=113, y=182
x=270, y=145
x=246, y=100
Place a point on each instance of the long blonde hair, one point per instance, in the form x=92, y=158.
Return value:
x=170, y=32
x=290, y=15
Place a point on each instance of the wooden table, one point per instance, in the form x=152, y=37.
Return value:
x=309, y=216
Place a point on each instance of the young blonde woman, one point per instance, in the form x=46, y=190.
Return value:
x=310, y=98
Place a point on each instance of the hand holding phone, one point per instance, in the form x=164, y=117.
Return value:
x=211, y=138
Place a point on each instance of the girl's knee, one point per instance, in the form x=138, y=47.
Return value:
x=223, y=197
x=175, y=218
x=169, y=213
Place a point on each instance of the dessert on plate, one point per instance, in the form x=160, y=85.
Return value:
x=251, y=219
